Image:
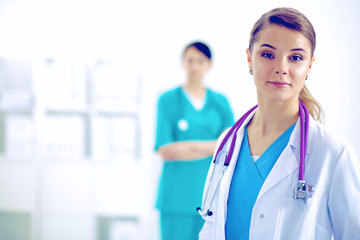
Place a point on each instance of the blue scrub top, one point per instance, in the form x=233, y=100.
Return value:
x=182, y=182
x=248, y=178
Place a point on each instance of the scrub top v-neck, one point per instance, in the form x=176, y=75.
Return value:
x=248, y=178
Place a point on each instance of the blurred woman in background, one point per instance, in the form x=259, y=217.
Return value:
x=189, y=120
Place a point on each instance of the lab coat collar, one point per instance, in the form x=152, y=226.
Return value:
x=294, y=140
x=240, y=132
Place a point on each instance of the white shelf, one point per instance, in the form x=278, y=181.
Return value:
x=16, y=161
x=86, y=145
x=91, y=111
x=26, y=110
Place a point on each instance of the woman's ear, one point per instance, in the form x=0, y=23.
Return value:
x=210, y=64
x=310, y=65
x=248, y=54
x=311, y=62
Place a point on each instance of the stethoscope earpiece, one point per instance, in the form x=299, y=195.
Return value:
x=207, y=213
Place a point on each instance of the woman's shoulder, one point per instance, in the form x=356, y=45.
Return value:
x=171, y=94
x=324, y=138
x=217, y=96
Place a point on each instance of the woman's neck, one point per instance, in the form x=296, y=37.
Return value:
x=274, y=117
x=195, y=88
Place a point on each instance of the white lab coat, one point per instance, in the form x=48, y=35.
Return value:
x=331, y=166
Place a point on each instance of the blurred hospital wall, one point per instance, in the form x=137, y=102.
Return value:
x=79, y=81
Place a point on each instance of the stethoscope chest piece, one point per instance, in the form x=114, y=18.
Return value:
x=303, y=191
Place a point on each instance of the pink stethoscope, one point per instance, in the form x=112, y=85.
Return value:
x=301, y=191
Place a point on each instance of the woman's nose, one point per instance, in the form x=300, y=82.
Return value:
x=283, y=73
x=282, y=68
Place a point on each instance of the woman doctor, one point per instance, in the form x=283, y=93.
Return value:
x=255, y=198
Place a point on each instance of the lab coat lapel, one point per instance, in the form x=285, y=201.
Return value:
x=286, y=164
x=226, y=181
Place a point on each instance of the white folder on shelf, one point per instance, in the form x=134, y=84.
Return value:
x=116, y=87
x=20, y=137
x=114, y=138
x=64, y=137
x=65, y=85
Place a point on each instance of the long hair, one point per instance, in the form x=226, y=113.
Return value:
x=294, y=20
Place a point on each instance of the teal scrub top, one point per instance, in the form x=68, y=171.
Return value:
x=248, y=178
x=182, y=182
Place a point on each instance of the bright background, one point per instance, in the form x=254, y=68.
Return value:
x=92, y=197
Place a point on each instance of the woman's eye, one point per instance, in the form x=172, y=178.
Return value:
x=296, y=58
x=267, y=55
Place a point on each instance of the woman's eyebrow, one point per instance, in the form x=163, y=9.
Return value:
x=268, y=45
x=292, y=50
x=298, y=49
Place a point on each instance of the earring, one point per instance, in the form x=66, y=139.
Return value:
x=251, y=72
x=306, y=77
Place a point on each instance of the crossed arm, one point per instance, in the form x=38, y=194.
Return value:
x=187, y=150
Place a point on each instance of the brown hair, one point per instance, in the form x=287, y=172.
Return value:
x=294, y=20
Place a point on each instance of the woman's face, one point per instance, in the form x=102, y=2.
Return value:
x=195, y=64
x=280, y=59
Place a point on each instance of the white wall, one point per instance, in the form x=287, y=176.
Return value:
x=152, y=34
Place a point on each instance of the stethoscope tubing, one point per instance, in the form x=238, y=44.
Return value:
x=304, y=126
x=208, y=212
x=234, y=130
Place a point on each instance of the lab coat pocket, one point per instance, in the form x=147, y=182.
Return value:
x=322, y=233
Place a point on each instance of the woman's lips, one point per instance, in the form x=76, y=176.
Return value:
x=279, y=84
